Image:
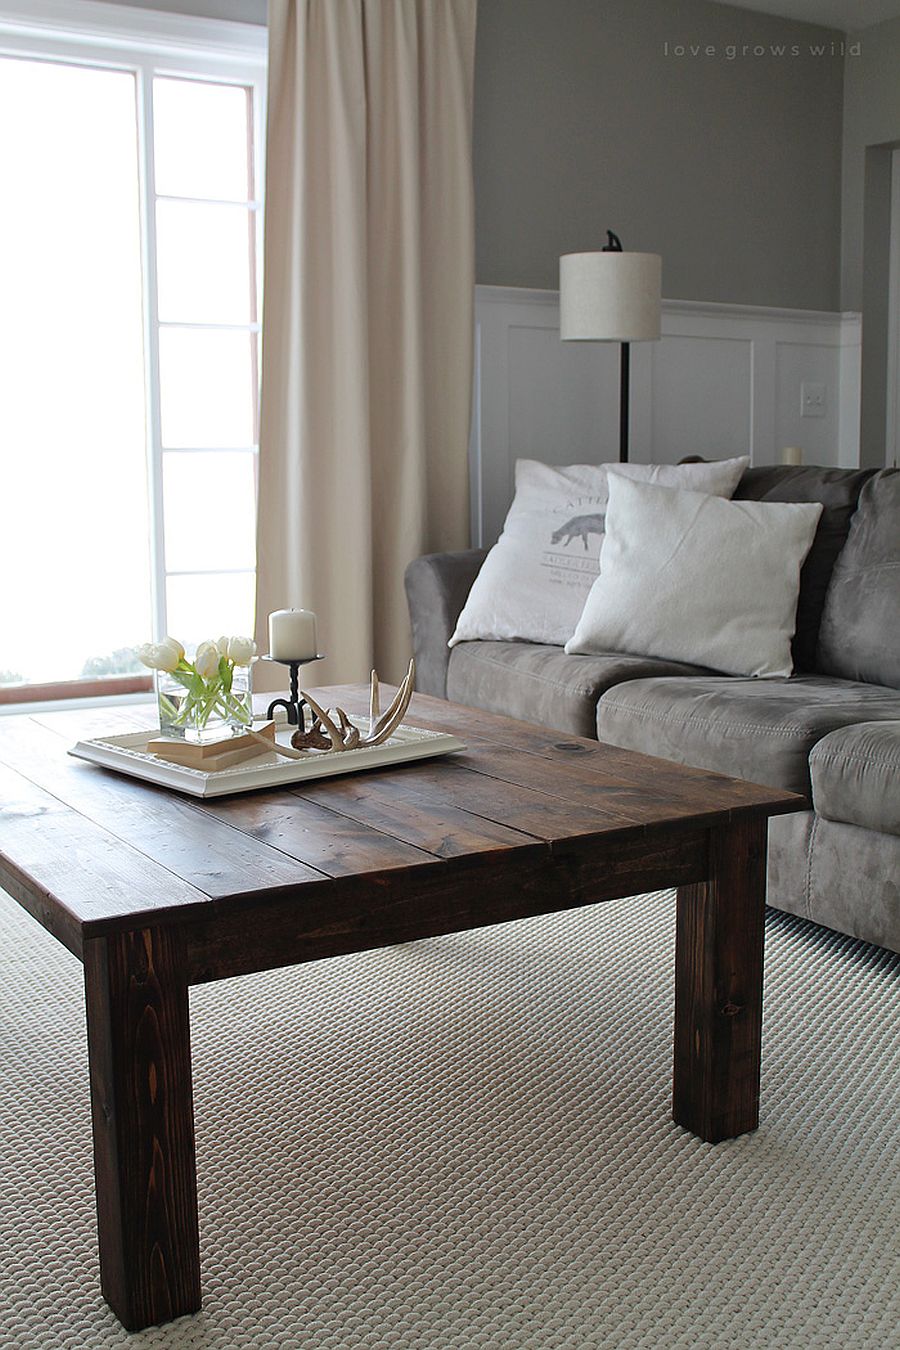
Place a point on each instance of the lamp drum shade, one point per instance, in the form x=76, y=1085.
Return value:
x=610, y=297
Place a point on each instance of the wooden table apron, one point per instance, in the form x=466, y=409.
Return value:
x=144, y=887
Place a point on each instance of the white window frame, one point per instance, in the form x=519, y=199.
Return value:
x=149, y=43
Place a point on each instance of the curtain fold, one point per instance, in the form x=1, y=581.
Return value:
x=367, y=316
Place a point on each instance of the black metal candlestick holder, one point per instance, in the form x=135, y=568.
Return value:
x=295, y=706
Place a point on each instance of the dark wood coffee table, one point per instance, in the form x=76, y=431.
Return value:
x=156, y=892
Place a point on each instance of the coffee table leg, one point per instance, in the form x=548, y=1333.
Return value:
x=718, y=987
x=142, y=1105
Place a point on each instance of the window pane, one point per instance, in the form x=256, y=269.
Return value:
x=203, y=259
x=74, y=555
x=205, y=388
x=210, y=505
x=206, y=607
x=201, y=140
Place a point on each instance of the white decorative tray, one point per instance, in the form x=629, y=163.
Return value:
x=129, y=754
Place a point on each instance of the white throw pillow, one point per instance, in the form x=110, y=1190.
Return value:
x=689, y=577
x=534, y=582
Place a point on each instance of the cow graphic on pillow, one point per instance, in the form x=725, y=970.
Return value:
x=579, y=527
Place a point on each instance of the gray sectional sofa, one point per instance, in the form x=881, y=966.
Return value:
x=830, y=732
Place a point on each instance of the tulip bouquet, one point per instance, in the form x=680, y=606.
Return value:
x=203, y=698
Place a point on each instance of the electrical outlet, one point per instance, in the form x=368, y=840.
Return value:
x=812, y=400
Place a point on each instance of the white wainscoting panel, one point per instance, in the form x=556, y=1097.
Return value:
x=684, y=421
x=723, y=380
x=849, y=390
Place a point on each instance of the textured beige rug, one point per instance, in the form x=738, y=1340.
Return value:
x=466, y=1143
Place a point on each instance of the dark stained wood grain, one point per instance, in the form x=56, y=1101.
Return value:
x=719, y=986
x=142, y=1108
x=69, y=873
x=623, y=803
x=445, y=789
x=446, y=897
x=333, y=843
x=213, y=858
x=408, y=811
x=157, y=892
x=701, y=787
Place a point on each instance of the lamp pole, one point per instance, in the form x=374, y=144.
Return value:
x=614, y=245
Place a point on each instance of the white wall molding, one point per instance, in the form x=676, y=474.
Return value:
x=124, y=27
x=724, y=380
x=523, y=295
x=849, y=390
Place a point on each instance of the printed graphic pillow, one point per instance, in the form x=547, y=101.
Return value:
x=535, y=580
x=689, y=577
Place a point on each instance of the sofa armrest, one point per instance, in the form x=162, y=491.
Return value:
x=436, y=589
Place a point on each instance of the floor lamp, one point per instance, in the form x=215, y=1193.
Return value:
x=611, y=296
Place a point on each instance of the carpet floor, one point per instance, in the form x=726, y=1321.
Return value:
x=465, y=1142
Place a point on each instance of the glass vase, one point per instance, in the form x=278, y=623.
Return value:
x=204, y=710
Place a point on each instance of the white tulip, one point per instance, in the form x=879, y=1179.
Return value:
x=146, y=654
x=241, y=650
x=176, y=646
x=160, y=655
x=222, y=644
x=206, y=660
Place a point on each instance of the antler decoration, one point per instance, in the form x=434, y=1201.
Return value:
x=333, y=730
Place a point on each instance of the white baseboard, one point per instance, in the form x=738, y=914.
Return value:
x=724, y=380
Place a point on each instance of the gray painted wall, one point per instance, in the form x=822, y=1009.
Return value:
x=871, y=129
x=871, y=117
x=729, y=168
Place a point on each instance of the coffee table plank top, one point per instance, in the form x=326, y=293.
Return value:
x=163, y=825
x=155, y=892
x=68, y=872
x=397, y=828
x=563, y=762
x=516, y=793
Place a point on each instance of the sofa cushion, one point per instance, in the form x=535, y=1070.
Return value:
x=840, y=875
x=542, y=684
x=689, y=577
x=860, y=634
x=855, y=776
x=536, y=578
x=759, y=730
x=838, y=490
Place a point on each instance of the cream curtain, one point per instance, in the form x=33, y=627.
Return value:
x=367, y=318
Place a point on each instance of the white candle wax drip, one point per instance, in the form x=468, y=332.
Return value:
x=292, y=635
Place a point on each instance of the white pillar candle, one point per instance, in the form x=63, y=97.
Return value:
x=792, y=454
x=292, y=635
